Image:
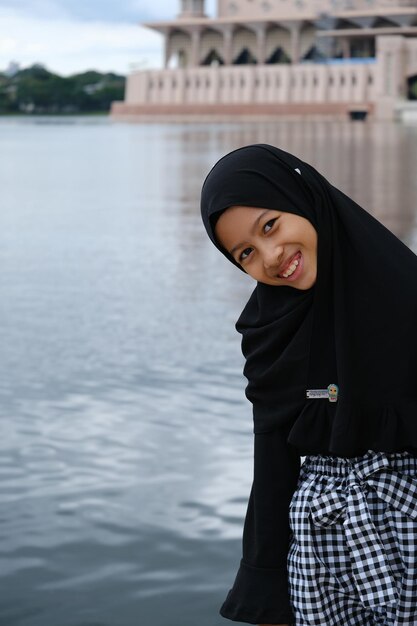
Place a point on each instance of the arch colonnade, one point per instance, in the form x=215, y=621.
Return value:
x=194, y=45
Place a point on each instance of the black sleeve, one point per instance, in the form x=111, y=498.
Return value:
x=260, y=591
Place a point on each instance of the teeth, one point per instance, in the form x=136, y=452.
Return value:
x=291, y=269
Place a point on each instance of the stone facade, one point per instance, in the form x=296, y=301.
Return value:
x=267, y=8
x=331, y=54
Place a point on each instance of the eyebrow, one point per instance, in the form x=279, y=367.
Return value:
x=252, y=230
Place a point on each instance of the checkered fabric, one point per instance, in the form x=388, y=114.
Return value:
x=352, y=557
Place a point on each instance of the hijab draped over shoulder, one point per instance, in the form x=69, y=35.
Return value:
x=355, y=327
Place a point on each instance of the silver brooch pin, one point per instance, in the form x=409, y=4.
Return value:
x=330, y=393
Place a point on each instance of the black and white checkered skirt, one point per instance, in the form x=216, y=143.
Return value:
x=352, y=557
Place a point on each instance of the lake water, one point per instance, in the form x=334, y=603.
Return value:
x=126, y=439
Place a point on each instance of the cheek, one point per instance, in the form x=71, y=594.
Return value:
x=257, y=270
x=314, y=241
x=310, y=240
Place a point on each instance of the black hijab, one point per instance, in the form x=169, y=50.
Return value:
x=356, y=327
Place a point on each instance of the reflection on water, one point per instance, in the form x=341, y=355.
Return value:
x=126, y=443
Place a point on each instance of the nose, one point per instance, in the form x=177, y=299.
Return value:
x=272, y=257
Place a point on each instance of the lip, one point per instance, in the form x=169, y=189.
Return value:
x=286, y=264
x=298, y=271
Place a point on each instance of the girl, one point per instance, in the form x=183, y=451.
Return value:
x=329, y=335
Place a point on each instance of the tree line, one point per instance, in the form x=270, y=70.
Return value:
x=37, y=90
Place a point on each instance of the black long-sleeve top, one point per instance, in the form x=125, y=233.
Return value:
x=260, y=591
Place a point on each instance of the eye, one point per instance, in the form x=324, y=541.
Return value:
x=244, y=254
x=269, y=225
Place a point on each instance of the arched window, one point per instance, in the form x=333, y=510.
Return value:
x=313, y=54
x=182, y=58
x=245, y=57
x=213, y=58
x=278, y=56
x=178, y=59
x=412, y=87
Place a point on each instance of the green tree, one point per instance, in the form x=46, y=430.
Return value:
x=36, y=89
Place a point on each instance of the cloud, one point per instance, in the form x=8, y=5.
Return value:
x=70, y=36
x=67, y=45
x=102, y=10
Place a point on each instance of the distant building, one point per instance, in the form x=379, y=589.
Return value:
x=271, y=57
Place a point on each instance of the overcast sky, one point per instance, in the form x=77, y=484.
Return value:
x=75, y=35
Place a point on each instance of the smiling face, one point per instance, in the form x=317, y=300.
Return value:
x=269, y=244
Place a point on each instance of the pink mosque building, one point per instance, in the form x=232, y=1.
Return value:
x=275, y=57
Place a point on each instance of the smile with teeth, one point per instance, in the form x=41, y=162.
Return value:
x=291, y=269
